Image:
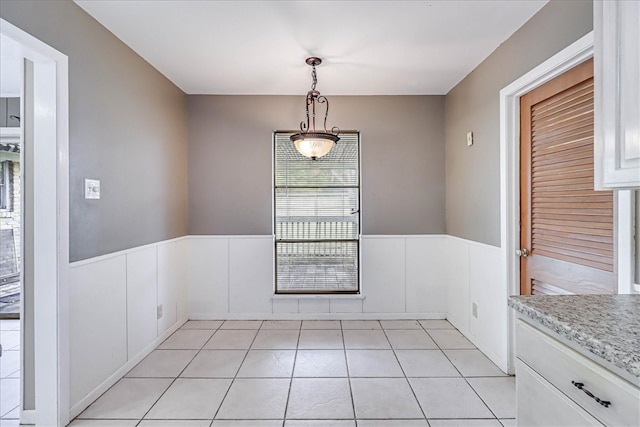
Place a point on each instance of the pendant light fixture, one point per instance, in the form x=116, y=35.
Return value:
x=311, y=142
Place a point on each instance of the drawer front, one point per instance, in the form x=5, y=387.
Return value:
x=541, y=404
x=561, y=366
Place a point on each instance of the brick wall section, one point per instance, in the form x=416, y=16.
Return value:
x=10, y=229
x=7, y=253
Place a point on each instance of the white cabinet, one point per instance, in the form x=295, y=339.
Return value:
x=617, y=93
x=555, y=385
x=543, y=405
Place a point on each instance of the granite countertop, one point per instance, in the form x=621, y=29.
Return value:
x=607, y=326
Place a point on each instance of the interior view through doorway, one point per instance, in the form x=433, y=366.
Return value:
x=567, y=228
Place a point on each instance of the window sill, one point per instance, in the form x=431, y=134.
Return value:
x=317, y=296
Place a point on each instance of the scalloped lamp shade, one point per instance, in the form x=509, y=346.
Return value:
x=314, y=147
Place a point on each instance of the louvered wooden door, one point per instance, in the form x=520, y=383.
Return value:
x=566, y=226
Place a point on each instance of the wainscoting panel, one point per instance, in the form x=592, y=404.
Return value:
x=142, y=296
x=98, y=323
x=489, y=329
x=250, y=275
x=345, y=305
x=285, y=306
x=172, y=279
x=112, y=315
x=383, y=272
x=457, y=274
x=473, y=277
x=208, y=275
x=426, y=275
x=313, y=305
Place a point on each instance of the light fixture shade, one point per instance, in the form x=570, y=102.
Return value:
x=314, y=145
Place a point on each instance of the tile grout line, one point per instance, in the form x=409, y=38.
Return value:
x=384, y=331
x=233, y=380
x=346, y=362
x=125, y=377
x=456, y=368
x=181, y=371
x=441, y=349
x=293, y=368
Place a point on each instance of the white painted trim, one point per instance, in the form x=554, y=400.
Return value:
x=403, y=236
x=318, y=296
x=28, y=417
x=124, y=369
x=624, y=241
x=499, y=360
x=110, y=255
x=316, y=316
x=564, y=60
x=229, y=236
x=472, y=242
x=51, y=225
x=14, y=132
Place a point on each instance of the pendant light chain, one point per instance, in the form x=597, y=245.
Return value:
x=314, y=77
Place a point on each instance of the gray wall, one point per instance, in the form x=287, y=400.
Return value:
x=127, y=129
x=473, y=174
x=230, y=150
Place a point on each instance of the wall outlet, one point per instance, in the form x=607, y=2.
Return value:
x=469, y=139
x=159, y=314
x=91, y=189
x=474, y=310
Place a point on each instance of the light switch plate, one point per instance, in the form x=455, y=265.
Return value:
x=91, y=189
x=474, y=310
x=469, y=139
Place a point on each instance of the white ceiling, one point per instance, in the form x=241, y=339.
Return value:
x=259, y=47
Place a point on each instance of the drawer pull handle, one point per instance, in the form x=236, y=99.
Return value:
x=580, y=386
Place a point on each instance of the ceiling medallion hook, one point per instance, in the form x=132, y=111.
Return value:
x=309, y=142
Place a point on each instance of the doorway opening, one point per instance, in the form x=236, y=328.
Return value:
x=11, y=230
x=578, y=52
x=10, y=181
x=44, y=259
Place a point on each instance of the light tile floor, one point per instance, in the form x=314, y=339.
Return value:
x=10, y=372
x=310, y=374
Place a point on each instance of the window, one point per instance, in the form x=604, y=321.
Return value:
x=317, y=217
x=6, y=171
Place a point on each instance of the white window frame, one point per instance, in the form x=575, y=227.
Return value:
x=331, y=294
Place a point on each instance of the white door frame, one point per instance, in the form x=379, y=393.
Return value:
x=51, y=227
x=578, y=52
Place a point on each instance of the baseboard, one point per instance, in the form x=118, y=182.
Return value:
x=497, y=360
x=463, y=330
x=500, y=362
x=28, y=416
x=117, y=375
x=317, y=316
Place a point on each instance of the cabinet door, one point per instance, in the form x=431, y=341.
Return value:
x=541, y=404
x=617, y=94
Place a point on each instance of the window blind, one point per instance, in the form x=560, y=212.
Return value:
x=317, y=217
